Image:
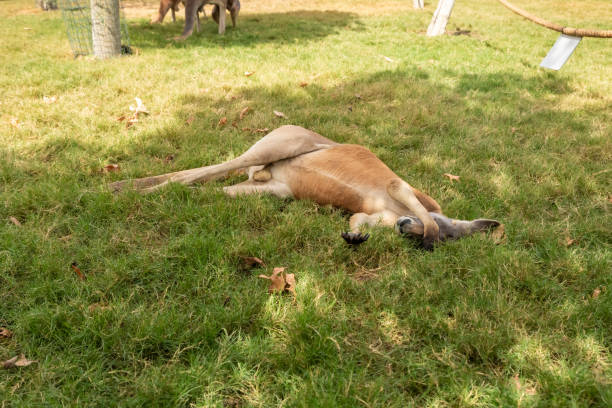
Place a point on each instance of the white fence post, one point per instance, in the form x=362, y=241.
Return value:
x=440, y=18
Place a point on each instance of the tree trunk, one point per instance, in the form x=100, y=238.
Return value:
x=440, y=18
x=418, y=4
x=105, y=28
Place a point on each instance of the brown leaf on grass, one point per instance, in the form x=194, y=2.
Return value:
x=17, y=361
x=499, y=234
x=303, y=84
x=110, y=168
x=290, y=283
x=452, y=177
x=262, y=130
x=130, y=122
x=250, y=262
x=121, y=118
x=358, y=96
x=189, y=120
x=168, y=158
x=15, y=122
x=248, y=73
x=246, y=129
x=14, y=221
x=77, y=270
x=610, y=198
x=278, y=281
x=222, y=121
x=97, y=306
x=596, y=293
x=5, y=333
x=280, y=114
x=569, y=241
x=527, y=390
x=244, y=112
x=513, y=129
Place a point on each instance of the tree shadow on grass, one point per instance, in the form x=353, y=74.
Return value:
x=295, y=26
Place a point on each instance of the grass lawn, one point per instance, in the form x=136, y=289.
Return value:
x=168, y=316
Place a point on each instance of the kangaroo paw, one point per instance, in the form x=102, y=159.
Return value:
x=355, y=238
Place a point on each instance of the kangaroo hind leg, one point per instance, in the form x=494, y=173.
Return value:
x=282, y=143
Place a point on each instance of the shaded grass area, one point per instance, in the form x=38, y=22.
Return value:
x=167, y=317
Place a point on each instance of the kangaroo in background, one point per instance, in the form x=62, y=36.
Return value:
x=192, y=10
x=295, y=162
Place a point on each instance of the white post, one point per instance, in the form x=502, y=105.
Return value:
x=105, y=28
x=418, y=4
x=440, y=18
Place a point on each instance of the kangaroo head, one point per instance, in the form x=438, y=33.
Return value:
x=411, y=226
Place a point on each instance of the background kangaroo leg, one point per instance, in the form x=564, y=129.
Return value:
x=282, y=143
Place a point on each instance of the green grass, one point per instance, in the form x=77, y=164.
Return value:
x=176, y=322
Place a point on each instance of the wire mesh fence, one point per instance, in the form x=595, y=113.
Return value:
x=101, y=31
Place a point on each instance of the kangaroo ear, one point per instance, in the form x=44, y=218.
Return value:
x=482, y=224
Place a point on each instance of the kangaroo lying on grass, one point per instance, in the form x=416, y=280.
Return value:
x=295, y=162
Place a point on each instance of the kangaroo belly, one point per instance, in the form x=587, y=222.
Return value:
x=345, y=176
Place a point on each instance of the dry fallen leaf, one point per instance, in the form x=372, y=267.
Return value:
x=303, y=84
x=17, y=361
x=15, y=221
x=121, y=118
x=15, y=122
x=290, y=283
x=49, y=99
x=249, y=262
x=522, y=389
x=222, y=121
x=76, y=269
x=110, y=168
x=131, y=122
x=280, y=282
x=388, y=59
x=277, y=280
x=358, y=96
x=246, y=129
x=513, y=129
x=569, y=241
x=499, y=234
x=248, y=73
x=280, y=114
x=452, y=177
x=5, y=333
x=596, y=293
x=262, y=130
x=190, y=120
x=98, y=306
x=169, y=158
x=244, y=112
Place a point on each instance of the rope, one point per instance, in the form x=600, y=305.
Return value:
x=576, y=32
